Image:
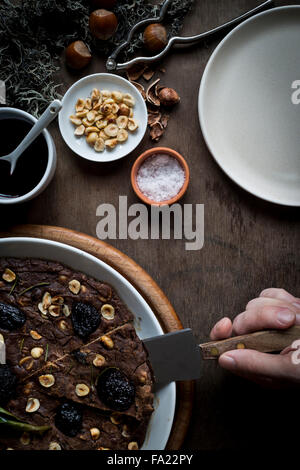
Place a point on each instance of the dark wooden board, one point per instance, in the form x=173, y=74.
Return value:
x=249, y=244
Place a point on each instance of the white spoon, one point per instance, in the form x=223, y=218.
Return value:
x=44, y=121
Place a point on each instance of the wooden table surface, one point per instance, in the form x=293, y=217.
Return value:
x=249, y=244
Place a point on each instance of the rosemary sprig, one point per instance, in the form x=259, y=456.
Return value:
x=13, y=286
x=33, y=287
x=20, y=426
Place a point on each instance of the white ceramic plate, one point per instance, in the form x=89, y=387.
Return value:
x=83, y=89
x=247, y=117
x=146, y=323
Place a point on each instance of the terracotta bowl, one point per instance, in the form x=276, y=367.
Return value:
x=142, y=158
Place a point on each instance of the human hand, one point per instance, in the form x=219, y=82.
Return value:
x=273, y=309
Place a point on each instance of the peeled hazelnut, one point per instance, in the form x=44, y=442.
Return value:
x=47, y=380
x=57, y=300
x=155, y=37
x=106, y=94
x=99, y=145
x=46, y=302
x=75, y=285
x=42, y=309
x=168, y=96
x=115, y=418
x=88, y=103
x=79, y=105
x=122, y=122
x=66, y=311
x=111, y=143
x=75, y=120
x=125, y=432
x=78, y=55
x=1, y=338
x=63, y=325
x=96, y=95
x=37, y=352
x=111, y=130
x=103, y=24
x=8, y=275
x=54, y=310
x=133, y=446
x=32, y=405
x=82, y=390
x=54, y=446
x=79, y=130
x=128, y=100
x=26, y=362
x=108, y=312
x=117, y=96
x=95, y=433
x=99, y=360
x=92, y=138
x=132, y=124
x=124, y=109
x=107, y=341
x=122, y=135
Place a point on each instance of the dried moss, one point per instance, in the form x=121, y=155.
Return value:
x=33, y=34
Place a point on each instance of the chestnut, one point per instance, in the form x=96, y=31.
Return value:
x=107, y=4
x=103, y=24
x=155, y=37
x=78, y=55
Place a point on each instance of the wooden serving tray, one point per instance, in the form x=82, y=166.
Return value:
x=146, y=286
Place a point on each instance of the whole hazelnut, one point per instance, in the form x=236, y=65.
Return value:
x=78, y=55
x=168, y=96
x=103, y=24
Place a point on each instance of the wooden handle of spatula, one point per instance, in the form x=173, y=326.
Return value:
x=263, y=341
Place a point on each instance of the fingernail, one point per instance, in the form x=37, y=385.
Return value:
x=228, y=361
x=296, y=305
x=285, y=317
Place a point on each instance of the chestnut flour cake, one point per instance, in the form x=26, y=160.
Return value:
x=74, y=362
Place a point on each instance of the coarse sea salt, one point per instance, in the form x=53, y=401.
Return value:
x=160, y=177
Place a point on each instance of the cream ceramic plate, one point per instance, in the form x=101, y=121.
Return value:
x=146, y=323
x=83, y=89
x=247, y=117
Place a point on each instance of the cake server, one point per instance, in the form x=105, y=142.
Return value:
x=177, y=356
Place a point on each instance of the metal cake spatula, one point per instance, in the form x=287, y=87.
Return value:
x=177, y=356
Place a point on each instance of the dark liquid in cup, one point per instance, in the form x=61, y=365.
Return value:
x=31, y=165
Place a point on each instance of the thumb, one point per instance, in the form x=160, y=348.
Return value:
x=250, y=363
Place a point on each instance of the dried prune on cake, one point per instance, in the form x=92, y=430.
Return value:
x=11, y=317
x=68, y=419
x=85, y=319
x=8, y=383
x=115, y=389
